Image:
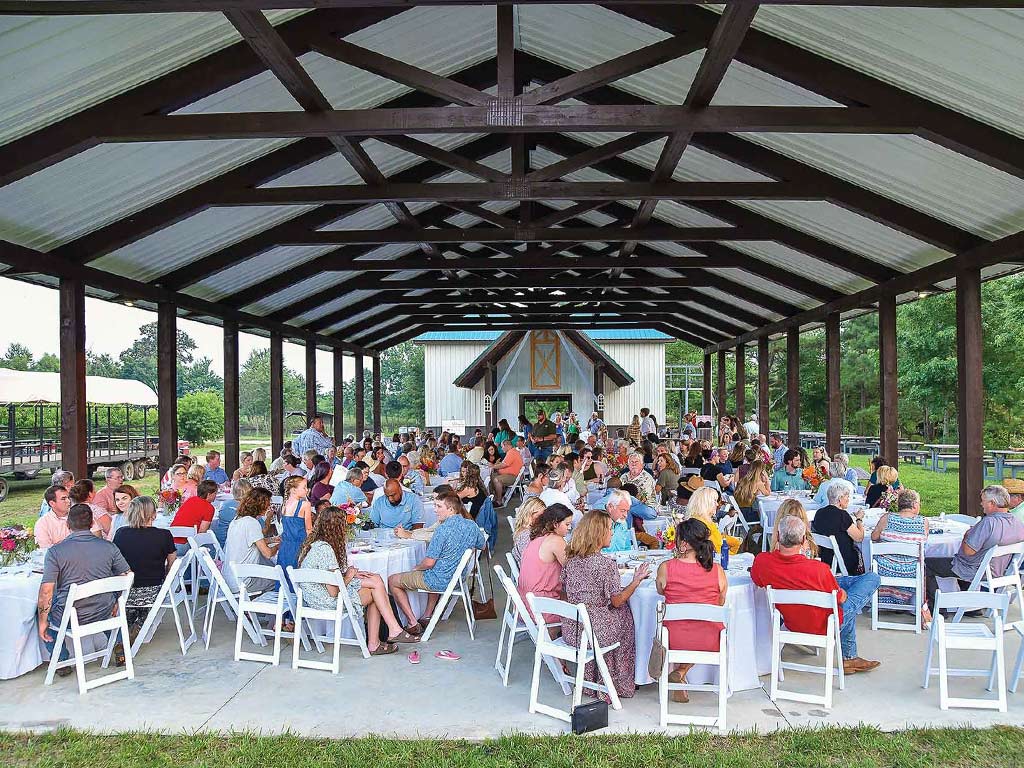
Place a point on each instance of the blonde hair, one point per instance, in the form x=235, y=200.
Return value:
x=746, y=489
x=887, y=475
x=703, y=504
x=531, y=507
x=196, y=473
x=793, y=508
x=260, y=454
x=141, y=512
x=291, y=483
x=590, y=535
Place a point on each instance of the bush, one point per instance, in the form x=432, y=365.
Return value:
x=200, y=417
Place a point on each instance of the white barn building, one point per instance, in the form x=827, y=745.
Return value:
x=479, y=377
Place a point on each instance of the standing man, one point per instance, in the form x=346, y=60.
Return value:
x=105, y=496
x=779, y=450
x=648, y=426
x=595, y=425
x=312, y=439
x=543, y=436
x=214, y=471
x=752, y=425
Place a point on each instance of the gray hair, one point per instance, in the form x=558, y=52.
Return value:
x=997, y=495
x=843, y=457
x=555, y=477
x=240, y=488
x=109, y=472
x=60, y=477
x=837, y=491
x=310, y=454
x=354, y=476
x=907, y=499
x=617, y=497
x=837, y=468
x=141, y=512
x=792, y=531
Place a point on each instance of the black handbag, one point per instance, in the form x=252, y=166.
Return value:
x=589, y=717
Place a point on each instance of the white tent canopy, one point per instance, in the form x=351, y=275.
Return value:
x=40, y=387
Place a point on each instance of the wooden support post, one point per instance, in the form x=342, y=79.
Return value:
x=793, y=387
x=311, y=408
x=167, y=382
x=339, y=398
x=276, y=393
x=833, y=393
x=762, y=385
x=706, y=397
x=231, y=444
x=720, y=387
x=377, y=426
x=970, y=394
x=741, y=383
x=73, y=405
x=360, y=400
x=888, y=410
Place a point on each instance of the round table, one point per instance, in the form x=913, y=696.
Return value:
x=750, y=636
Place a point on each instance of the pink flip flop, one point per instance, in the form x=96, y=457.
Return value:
x=414, y=657
x=447, y=655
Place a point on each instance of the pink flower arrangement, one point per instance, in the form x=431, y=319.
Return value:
x=170, y=499
x=15, y=544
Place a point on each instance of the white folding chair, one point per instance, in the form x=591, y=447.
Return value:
x=1018, y=666
x=915, y=582
x=829, y=641
x=633, y=545
x=207, y=540
x=190, y=575
x=517, y=621
x=343, y=613
x=516, y=486
x=172, y=594
x=830, y=543
x=589, y=651
x=973, y=636
x=1010, y=579
x=766, y=529
x=71, y=629
x=269, y=603
x=719, y=658
x=513, y=567
x=511, y=524
x=458, y=587
x=220, y=594
x=738, y=518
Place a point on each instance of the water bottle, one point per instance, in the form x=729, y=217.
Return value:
x=725, y=555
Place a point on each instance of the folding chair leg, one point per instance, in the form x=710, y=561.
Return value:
x=929, y=655
x=606, y=675
x=943, y=680
x=1017, y=667
x=76, y=642
x=535, y=682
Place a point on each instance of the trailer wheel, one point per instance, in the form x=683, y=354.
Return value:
x=3, y=489
x=26, y=475
x=140, y=469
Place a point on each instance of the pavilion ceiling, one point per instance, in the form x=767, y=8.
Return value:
x=356, y=175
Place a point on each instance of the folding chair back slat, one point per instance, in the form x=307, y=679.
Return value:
x=719, y=658
x=343, y=613
x=915, y=582
x=829, y=642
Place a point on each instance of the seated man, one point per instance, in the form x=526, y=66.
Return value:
x=453, y=535
x=450, y=464
x=998, y=526
x=638, y=476
x=197, y=512
x=834, y=520
x=476, y=453
x=348, y=490
x=52, y=528
x=788, y=477
x=555, y=493
x=617, y=504
x=80, y=558
x=787, y=568
x=394, y=507
x=720, y=470
x=214, y=471
x=504, y=474
x=411, y=479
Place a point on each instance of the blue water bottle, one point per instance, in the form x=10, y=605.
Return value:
x=725, y=555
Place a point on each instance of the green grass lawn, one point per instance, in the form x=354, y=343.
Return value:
x=848, y=748
x=940, y=491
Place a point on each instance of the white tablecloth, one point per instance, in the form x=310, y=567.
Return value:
x=770, y=505
x=657, y=524
x=20, y=648
x=750, y=636
x=395, y=556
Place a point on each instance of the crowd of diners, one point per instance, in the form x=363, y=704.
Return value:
x=559, y=542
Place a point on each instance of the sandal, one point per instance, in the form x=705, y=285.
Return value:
x=414, y=657
x=119, y=660
x=423, y=623
x=384, y=649
x=404, y=637
x=413, y=629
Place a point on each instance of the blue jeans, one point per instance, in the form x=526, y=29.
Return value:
x=859, y=590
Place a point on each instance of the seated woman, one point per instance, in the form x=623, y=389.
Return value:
x=122, y=499
x=470, y=487
x=592, y=579
x=540, y=570
x=703, y=506
x=259, y=477
x=149, y=552
x=83, y=492
x=594, y=470
x=694, y=457
x=245, y=463
x=248, y=541
x=793, y=507
x=325, y=549
x=228, y=510
x=320, y=487
x=905, y=526
x=193, y=478
x=754, y=483
x=882, y=493
x=691, y=576
x=521, y=534
x=666, y=472
x=539, y=481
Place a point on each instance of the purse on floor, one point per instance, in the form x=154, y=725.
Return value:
x=588, y=717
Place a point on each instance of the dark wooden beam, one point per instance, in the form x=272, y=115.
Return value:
x=167, y=382
x=763, y=399
x=741, y=384
x=73, y=397
x=339, y=396
x=721, y=394
x=481, y=213
x=445, y=157
x=232, y=446
x=888, y=406
x=591, y=155
x=833, y=385
x=311, y=407
x=376, y=394
x=524, y=262
x=706, y=399
x=360, y=399
x=525, y=234
x=970, y=389
x=276, y=394
x=574, y=210
x=529, y=279
x=793, y=387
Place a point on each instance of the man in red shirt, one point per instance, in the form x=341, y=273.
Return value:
x=197, y=512
x=787, y=568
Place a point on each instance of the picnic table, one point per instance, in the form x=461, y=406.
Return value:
x=937, y=450
x=999, y=458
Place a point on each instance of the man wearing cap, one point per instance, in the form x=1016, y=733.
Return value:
x=1015, y=487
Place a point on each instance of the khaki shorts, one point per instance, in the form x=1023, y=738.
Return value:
x=411, y=580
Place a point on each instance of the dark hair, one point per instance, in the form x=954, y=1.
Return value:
x=361, y=465
x=292, y=459
x=80, y=490
x=393, y=470
x=321, y=472
x=631, y=489
x=697, y=535
x=50, y=494
x=205, y=488
x=549, y=519
x=80, y=517
x=694, y=453
x=523, y=421
x=258, y=468
x=789, y=455
x=878, y=461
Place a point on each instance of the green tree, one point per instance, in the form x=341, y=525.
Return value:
x=199, y=377
x=18, y=357
x=102, y=365
x=254, y=391
x=48, y=363
x=200, y=416
x=139, y=360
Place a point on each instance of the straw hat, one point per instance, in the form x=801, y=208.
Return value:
x=1014, y=485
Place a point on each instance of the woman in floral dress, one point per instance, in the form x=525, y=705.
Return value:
x=905, y=526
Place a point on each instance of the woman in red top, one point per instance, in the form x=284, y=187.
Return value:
x=692, y=576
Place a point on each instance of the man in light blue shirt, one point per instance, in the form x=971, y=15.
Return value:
x=414, y=478
x=788, y=476
x=617, y=505
x=348, y=490
x=312, y=439
x=778, y=451
x=214, y=471
x=450, y=464
x=395, y=508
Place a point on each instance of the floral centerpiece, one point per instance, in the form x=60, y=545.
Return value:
x=358, y=519
x=667, y=538
x=16, y=543
x=428, y=464
x=889, y=501
x=613, y=464
x=169, y=500
x=814, y=476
